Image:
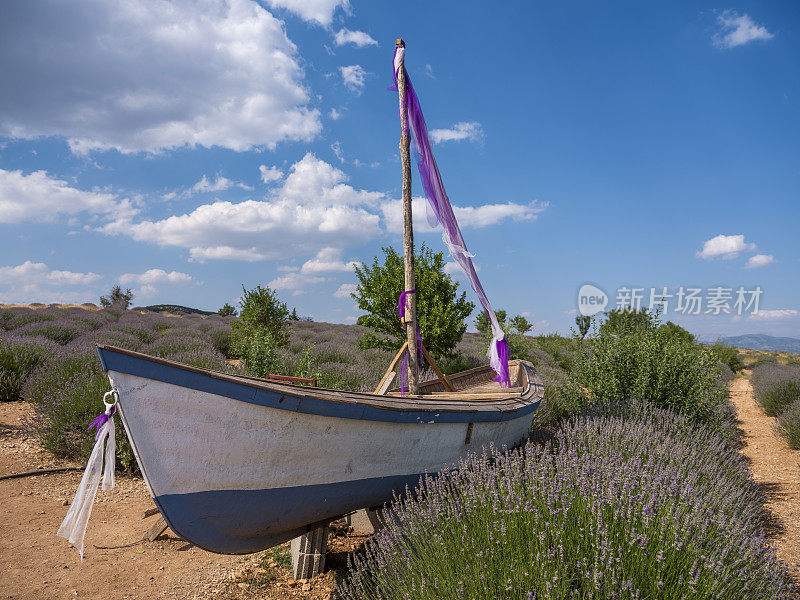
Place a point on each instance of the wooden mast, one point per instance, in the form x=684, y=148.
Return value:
x=408, y=232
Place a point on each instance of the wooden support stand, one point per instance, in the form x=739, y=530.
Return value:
x=157, y=528
x=391, y=372
x=308, y=553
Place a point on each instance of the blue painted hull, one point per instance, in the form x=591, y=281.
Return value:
x=244, y=521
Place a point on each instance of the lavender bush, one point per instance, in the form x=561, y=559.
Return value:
x=789, y=424
x=649, y=507
x=776, y=386
x=19, y=357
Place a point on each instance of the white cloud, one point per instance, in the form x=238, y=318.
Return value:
x=357, y=38
x=452, y=268
x=327, y=260
x=156, y=277
x=36, y=282
x=470, y=131
x=152, y=75
x=467, y=216
x=724, y=246
x=334, y=114
x=774, y=315
x=314, y=208
x=738, y=30
x=40, y=273
x=345, y=290
x=39, y=197
x=429, y=71
x=316, y=11
x=354, y=77
x=759, y=260
x=294, y=282
x=270, y=174
x=153, y=280
x=220, y=184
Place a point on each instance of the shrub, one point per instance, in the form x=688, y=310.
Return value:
x=441, y=310
x=226, y=310
x=649, y=363
x=561, y=349
x=222, y=341
x=259, y=351
x=650, y=507
x=26, y=315
x=262, y=311
x=789, y=422
x=727, y=355
x=775, y=386
x=18, y=359
x=61, y=331
x=779, y=397
x=178, y=341
x=623, y=320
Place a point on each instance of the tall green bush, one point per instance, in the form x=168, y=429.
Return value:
x=644, y=361
x=262, y=312
x=727, y=355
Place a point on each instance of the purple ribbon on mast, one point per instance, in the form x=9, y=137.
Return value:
x=441, y=211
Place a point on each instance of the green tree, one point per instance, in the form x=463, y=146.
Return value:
x=584, y=322
x=441, y=311
x=520, y=324
x=621, y=320
x=117, y=298
x=294, y=316
x=677, y=331
x=262, y=311
x=727, y=354
x=227, y=310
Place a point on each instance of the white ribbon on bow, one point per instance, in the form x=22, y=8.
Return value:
x=74, y=525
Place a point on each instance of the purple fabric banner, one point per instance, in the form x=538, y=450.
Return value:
x=439, y=205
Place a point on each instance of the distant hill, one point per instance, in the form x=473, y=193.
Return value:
x=761, y=341
x=176, y=309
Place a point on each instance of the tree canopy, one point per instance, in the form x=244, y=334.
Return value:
x=441, y=310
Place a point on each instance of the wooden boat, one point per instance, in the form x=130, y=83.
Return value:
x=238, y=464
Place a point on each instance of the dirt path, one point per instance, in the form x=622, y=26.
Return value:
x=775, y=467
x=38, y=565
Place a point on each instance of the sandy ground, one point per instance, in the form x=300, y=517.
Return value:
x=776, y=468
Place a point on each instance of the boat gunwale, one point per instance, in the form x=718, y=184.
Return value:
x=468, y=410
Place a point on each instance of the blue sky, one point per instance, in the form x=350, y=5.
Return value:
x=184, y=149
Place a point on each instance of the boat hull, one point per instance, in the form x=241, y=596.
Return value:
x=235, y=476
